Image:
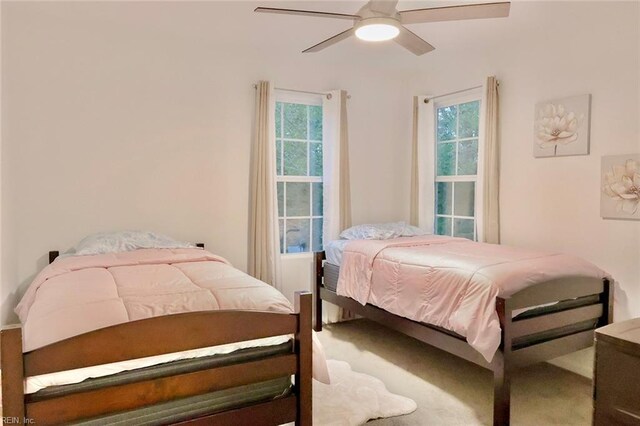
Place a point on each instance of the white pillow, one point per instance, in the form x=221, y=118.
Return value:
x=381, y=231
x=413, y=231
x=121, y=241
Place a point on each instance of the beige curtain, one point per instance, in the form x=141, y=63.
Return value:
x=345, y=182
x=336, y=183
x=414, y=215
x=263, y=218
x=491, y=180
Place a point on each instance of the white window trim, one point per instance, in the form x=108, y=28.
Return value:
x=293, y=97
x=427, y=157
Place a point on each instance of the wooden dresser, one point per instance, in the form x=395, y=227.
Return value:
x=617, y=374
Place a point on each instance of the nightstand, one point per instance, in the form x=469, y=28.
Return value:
x=616, y=381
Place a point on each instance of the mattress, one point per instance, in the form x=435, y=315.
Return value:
x=333, y=251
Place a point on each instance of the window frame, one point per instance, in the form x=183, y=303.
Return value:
x=308, y=99
x=447, y=101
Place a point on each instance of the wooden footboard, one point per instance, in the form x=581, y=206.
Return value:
x=157, y=336
x=538, y=335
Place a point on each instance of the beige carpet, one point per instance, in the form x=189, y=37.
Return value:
x=451, y=391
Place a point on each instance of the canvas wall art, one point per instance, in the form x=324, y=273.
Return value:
x=620, y=197
x=562, y=127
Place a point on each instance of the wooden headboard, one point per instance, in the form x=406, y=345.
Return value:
x=55, y=253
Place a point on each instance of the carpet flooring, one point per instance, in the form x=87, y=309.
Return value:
x=449, y=390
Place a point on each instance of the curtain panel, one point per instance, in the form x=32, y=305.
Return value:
x=414, y=210
x=491, y=169
x=336, y=182
x=264, y=244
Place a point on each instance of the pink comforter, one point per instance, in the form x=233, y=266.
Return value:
x=449, y=282
x=78, y=294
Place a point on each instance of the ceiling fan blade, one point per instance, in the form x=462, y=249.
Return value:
x=383, y=6
x=330, y=41
x=454, y=13
x=412, y=42
x=305, y=13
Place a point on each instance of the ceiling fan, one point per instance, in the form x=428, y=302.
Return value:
x=379, y=20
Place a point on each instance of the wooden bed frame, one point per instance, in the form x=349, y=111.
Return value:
x=554, y=333
x=149, y=337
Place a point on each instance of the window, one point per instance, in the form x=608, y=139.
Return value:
x=299, y=172
x=456, y=168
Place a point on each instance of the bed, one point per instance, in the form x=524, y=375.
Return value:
x=533, y=306
x=224, y=356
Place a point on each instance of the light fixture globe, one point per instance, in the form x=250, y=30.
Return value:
x=377, y=29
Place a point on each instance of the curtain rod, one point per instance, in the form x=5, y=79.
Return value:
x=328, y=95
x=426, y=101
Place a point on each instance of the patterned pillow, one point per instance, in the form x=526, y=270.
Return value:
x=381, y=231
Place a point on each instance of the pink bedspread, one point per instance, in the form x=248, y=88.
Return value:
x=78, y=294
x=449, y=282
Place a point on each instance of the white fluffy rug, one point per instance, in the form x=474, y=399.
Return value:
x=354, y=398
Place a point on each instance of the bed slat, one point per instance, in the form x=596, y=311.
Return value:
x=555, y=290
x=161, y=335
x=547, y=322
x=276, y=412
x=550, y=349
x=134, y=395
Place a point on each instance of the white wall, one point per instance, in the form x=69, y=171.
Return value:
x=545, y=51
x=139, y=115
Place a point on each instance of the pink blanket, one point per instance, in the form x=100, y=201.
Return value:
x=78, y=294
x=449, y=282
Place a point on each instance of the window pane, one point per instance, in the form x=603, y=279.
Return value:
x=295, y=158
x=443, y=225
x=446, y=159
x=317, y=234
x=447, y=123
x=444, y=197
x=295, y=121
x=317, y=199
x=279, y=157
x=280, y=186
x=297, y=239
x=463, y=228
x=278, y=119
x=281, y=223
x=468, y=119
x=315, y=159
x=464, y=199
x=315, y=123
x=298, y=199
x=468, y=157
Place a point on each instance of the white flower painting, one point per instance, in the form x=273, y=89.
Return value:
x=620, y=187
x=562, y=127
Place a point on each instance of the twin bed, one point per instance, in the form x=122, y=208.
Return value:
x=178, y=336
x=156, y=336
x=498, y=307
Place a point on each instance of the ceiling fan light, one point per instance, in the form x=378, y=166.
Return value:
x=377, y=32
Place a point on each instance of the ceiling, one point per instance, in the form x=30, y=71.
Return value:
x=231, y=27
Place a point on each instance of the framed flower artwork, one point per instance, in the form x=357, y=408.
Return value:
x=562, y=127
x=620, y=197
